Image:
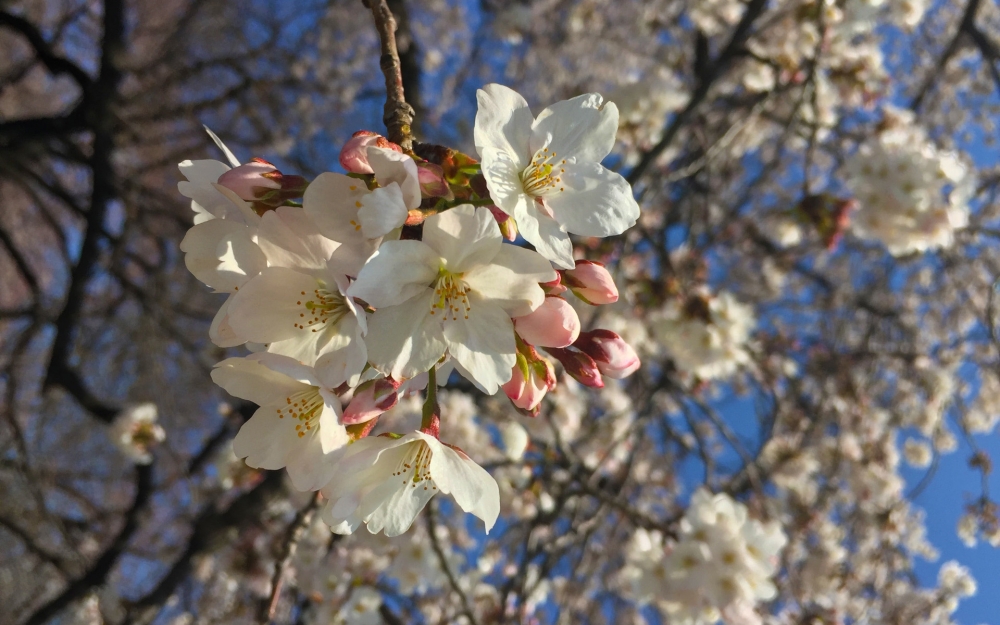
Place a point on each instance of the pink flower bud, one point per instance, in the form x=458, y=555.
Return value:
x=354, y=154
x=555, y=287
x=249, y=180
x=591, y=282
x=579, y=366
x=432, y=182
x=527, y=392
x=370, y=399
x=614, y=357
x=508, y=227
x=553, y=324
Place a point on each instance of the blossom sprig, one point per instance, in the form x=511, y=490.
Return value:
x=397, y=274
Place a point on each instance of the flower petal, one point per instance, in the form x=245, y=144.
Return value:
x=392, y=166
x=405, y=340
x=222, y=254
x=597, y=202
x=503, y=122
x=290, y=238
x=483, y=343
x=382, y=211
x=248, y=379
x=464, y=236
x=345, y=362
x=399, y=270
x=473, y=488
x=265, y=441
x=580, y=127
x=511, y=280
x=220, y=332
x=331, y=202
x=268, y=307
x=503, y=179
x=549, y=239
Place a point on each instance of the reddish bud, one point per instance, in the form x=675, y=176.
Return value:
x=532, y=377
x=371, y=399
x=614, y=357
x=354, y=154
x=553, y=324
x=508, y=227
x=252, y=180
x=579, y=366
x=554, y=287
x=432, y=182
x=591, y=282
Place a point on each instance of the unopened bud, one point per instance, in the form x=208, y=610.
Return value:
x=553, y=324
x=579, y=366
x=531, y=379
x=614, y=357
x=354, y=154
x=555, y=287
x=508, y=227
x=252, y=180
x=591, y=282
x=371, y=399
x=432, y=182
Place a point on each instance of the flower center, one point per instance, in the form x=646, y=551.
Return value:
x=418, y=462
x=304, y=407
x=450, y=296
x=319, y=308
x=543, y=175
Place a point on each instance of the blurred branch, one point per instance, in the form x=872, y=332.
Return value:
x=398, y=115
x=43, y=51
x=288, y=546
x=967, y=25
x=98, y=573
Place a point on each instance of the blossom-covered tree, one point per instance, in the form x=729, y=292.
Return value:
x=598, y=311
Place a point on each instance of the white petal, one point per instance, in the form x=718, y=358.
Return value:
x=203, y=172
x=222, y=254
x=287, y=366
x=465, y=237
x=597, y=202
x=345, y=363
x=473, y=488
x=484, y=343
x=406, y=340
x=331, y=201
x=392, y=166
x=399, y=271
x=265, y=441
x=511, y=280
x=290, y=238
x=382, y=211
x=222, y=146
x=251, y=380
x=503, y=122
x=544, y=233
x=221, y=333
x=268, y=307
x=503, y=179
x=579, y=128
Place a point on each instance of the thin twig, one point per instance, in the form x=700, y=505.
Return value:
x=288, y=546
x=431, y=527
x=398, y=115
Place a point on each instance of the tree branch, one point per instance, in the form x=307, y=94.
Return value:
x=397, y=115
x=288, y=546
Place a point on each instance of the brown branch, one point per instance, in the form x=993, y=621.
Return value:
x=966, y=25
x=292, y=536
x=98, y=573
x=398, y=115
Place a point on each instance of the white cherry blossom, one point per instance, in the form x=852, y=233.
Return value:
x=297, y=424
x=454, y=293
x=546, y=172
x=385, y=481
x=297, y=305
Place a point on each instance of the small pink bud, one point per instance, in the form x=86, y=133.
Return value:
x=591, y=282
x=370, y=399
x=354, y=154
x=614, y=357
x=249, y=180
x=555, y=287
x=579, y=366
x=432, y=182
x=527, y=392
x=508, y=227
x=553, y=324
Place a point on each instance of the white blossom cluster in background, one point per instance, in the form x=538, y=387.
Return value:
x=705, y=335
x=719, y=567
x=913, y=196
x=391, y=277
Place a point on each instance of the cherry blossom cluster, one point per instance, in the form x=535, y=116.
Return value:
x=394, y=276
x=913, y=196
x=719, y=567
